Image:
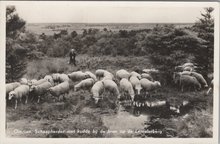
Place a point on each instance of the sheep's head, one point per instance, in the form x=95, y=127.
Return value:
x=157, y=83
x=11, y=95
x=138, y=88
x=132, y=95
x=32, y=88
x=119, y=96
x=29, y=83
x=23, y=81
x=92, y=81
x=139, y=77
x=50, y=90
x=70, y=76
x=96, y=99
x=76, y=88
x=55, y=76
x=87, y=76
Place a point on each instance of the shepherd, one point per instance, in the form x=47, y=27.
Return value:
x=72, y=57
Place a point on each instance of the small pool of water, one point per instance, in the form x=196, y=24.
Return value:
x=124, y=123
x=132, y=118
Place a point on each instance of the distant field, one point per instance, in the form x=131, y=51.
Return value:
x=51, y=28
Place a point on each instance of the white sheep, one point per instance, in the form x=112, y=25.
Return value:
x=107, y=73
x=23, y=81
x=11, y=86
x=127, y=87
x=41, y=89
x=49, y=79
x=108, y=77
x=91, y=75
x=200, y=78
x=133, y=73
x=18, y=93
x=60, y=89
x=63, y=78
x=211, y=87
x=147, y=76
x=187, y=81
x=136, y=84
x=38, y=82
x=97, y=90
x=30, y=82
x=78, y=76
x=84, y=84
x=112, y=87
x=148, y=85
x=122, y=74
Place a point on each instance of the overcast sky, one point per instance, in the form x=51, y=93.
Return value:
x=75, y=12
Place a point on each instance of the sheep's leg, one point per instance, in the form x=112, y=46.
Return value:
x=139, y=105
x=182, y=88
x=146, y=93
x=122, y=95
x=61, y=97
x=150, y=96
x=134, y=103
x=131, y=100
x=16, y=103
x=64, y=96
x=32, y=98
x=67, y=94
x=125, y=98
x=208, y=90
x=26, y=99
x=38, y=100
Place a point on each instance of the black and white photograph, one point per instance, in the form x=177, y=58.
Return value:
x=146, y=70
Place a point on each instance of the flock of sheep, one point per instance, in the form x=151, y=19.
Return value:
x=122, y=84
x=188, y=78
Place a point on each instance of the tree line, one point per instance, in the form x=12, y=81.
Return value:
x=166, y=45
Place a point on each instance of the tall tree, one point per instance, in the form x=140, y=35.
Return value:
x=15, y=53
x=168, y=47
x=205, y=29
x=14, y=24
